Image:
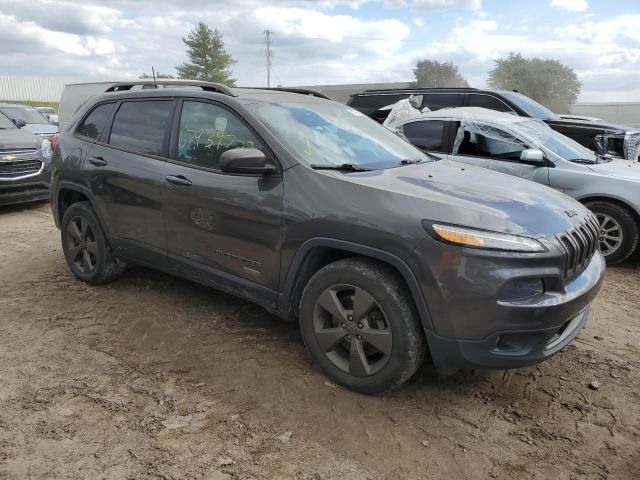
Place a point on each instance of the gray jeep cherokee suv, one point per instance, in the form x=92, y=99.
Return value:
x=317, y=213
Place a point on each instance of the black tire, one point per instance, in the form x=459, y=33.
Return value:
x=85, y=246
x=627, y=226
x=383, y=306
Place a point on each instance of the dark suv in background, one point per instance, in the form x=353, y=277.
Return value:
x=317, y=213
x=601, y=137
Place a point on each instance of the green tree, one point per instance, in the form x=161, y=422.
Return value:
x=159, y=76
x=430, y=73
x=208, y=59
x=549, y=82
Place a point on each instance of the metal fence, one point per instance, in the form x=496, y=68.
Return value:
x=35, y=89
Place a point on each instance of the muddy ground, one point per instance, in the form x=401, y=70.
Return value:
x=157, y=377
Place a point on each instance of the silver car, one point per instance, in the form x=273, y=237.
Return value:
x=529, y=149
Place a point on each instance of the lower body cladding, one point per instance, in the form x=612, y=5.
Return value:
x=499, y=311
x=24, y=182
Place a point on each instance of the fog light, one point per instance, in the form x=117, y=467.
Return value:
x=521, y=289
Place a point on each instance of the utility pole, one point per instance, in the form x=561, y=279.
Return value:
x=268, y=34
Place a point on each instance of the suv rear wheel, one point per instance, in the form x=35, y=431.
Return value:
x=360, y=325
x=619, y=233
x=85, y=246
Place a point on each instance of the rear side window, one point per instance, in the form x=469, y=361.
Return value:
x=207, y=131
x=488, y=101
x=94, y=124
x=141, y=126
x=370, y=103
x=436, y=101
x=426, y=135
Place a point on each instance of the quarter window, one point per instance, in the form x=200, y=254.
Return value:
x=207, y=131
x=426, y=135
x=488, y=101
x=141, y=126
x=436, y=101
x=94, y=124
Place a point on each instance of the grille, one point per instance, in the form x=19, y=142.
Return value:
x=16, y=151
x=19, y=168
x=580, y=243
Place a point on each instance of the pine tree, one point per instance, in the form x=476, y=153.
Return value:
x=208, y=59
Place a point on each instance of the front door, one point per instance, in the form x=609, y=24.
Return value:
x=222, y=229
x=489, y=147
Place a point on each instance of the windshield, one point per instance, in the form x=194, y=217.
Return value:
x=5, y=123
x=531, y=107
x=28, y=114
x=328, y=133
x=541, y=134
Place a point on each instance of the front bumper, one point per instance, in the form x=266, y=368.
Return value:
x=28, y=188
x=473, y=327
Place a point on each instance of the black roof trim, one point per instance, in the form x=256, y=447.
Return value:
x=302, y=91
x=419, y=89
x=205, y=86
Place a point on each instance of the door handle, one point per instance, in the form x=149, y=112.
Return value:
x=97, y=161
x=179, y=180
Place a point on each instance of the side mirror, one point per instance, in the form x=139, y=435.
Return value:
x=533, y=156
x=247, y=161
x=19, y=122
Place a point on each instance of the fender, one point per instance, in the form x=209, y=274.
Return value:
x=77, y=187
x=400, y=265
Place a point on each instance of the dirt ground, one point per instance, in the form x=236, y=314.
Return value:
x=156, y=377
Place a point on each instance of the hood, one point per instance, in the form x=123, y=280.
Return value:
x=41, y=128
x=625, y=169
x=451, y=192
x=18, y=138
x=599, y=127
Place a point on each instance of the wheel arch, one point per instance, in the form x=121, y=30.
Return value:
x=318, y=252
x=611, y=199
x=68, y=193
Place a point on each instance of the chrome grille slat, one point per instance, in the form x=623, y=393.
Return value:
x=16, y=151
x=19, y=168
x=580, y=243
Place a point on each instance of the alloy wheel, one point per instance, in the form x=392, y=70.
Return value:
x=352, y=330
x=82, y=247
x=610, y=235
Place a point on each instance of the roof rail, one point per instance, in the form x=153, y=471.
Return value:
x=206, y=86
x=416, y=89
x=302, y=91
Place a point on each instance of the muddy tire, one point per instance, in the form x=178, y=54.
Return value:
x=360, y=325
x=619, y=233
x=85, y=246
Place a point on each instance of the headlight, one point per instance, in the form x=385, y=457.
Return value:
x=45, y=148
x=488, y=240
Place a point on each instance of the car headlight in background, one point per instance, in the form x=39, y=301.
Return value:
x=45, y=148
x=468, y=237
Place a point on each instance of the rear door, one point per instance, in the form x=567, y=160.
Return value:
x=124, y=171
x=223, y=229
x=427, y=135
x=490, y=147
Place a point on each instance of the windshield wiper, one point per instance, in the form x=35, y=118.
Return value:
x=583, y=161
x=345, y=167
x=410, y=161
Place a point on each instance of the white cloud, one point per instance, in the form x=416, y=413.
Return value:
x=571, y=5
x=435, y=4
x=418, y=22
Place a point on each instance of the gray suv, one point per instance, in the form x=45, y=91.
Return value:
x=321, y=215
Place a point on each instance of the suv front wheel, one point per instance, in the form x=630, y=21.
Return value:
x=360, y=325
x=619, y=233
x=85, y=246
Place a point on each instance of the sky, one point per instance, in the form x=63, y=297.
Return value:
x=326, y=41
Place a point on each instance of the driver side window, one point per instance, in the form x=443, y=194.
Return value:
x=490, y=142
